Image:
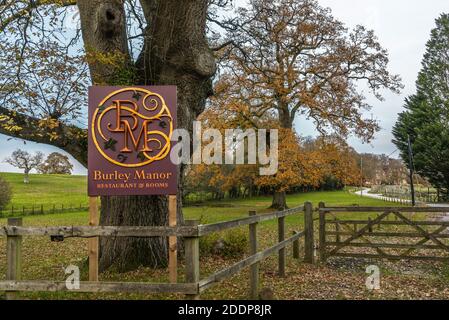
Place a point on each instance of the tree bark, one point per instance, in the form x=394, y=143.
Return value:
x=285, y=118
x=176, y=53
x=70, y=138
x=131, y=253
x=279, y=201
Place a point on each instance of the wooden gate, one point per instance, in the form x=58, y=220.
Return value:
x=392, y=233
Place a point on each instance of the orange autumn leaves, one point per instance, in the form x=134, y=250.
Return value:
x=296, y=167
x=303, y=163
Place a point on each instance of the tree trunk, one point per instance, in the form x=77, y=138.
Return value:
x=285, y=118
x=131, y=253
x=175, y=53
x=26, y=177
x=286, y=121
x=279, y=201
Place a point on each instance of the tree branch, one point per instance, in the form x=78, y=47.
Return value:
x=26, y=11
x=69, y=138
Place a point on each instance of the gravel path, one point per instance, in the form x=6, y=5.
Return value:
x=365, y=193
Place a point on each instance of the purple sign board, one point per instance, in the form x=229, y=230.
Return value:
x=129, y=140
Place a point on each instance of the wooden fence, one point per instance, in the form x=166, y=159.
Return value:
x=405, y=198
x=386, y=223
x=31, y=210
x=191, y=231
x=400, y=201
x=392, y=233
x=420, y=196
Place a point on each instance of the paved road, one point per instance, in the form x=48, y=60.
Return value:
x=365, y=193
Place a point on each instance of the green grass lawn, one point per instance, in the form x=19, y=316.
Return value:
x=47, y=190
x=71, y=191
x=213, y=211
x=209, y=212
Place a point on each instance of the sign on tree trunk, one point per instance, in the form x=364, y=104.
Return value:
x=129, y=140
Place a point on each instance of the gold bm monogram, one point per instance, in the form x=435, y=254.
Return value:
x=130, y=128
x=125, y=127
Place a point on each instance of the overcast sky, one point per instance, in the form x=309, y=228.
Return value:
x=403, y=27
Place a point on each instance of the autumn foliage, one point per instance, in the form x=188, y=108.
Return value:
x=304, y=163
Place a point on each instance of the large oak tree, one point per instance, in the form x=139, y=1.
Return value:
x=125, y=43
x=292, y=57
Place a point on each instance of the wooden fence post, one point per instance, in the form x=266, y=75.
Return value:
x=281, y=237
x=337, y=229
x=295, y=247
x=322, y=237
x=308, y=233
x=172, y=241
x=93, y=243
x=254, y=269
x=192, y=252
x=370, y=229
x=13, y=256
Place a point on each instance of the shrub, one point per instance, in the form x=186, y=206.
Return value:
x=5, y=193
x=231, y=244
x=331, y=183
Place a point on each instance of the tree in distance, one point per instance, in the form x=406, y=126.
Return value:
x=23, y=160
x=56, y=163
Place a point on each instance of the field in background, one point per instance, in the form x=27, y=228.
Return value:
x=215, y=211
x=64, y=192
x=47, y=190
